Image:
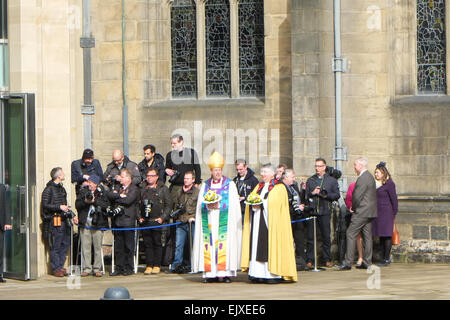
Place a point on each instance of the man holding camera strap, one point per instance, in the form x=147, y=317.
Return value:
x=321, y=190
x=91, y=206
x=156, y=205
x=185, y=207
x=57, y=222
x=125, y=203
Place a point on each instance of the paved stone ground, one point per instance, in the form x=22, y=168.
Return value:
x=398, y=281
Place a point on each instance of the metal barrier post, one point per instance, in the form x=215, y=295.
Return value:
x=315, y=247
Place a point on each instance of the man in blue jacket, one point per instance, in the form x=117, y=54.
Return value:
x=85, y=167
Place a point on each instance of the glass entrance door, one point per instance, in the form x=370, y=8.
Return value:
x=17, y=134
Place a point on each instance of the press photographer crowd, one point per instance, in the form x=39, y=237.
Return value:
x=217, y=227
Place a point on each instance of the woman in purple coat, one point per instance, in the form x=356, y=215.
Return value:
x=387, y=205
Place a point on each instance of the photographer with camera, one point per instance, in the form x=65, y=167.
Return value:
x=296, y=199
x=113, y=170
x=82, y=168
x=123, y=212
x=57, y=221
x=321, y=190
x=156, y=205
x=178, y=162
x=185, y=207
x=91, y=206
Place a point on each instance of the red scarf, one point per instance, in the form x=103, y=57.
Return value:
x=273, y=182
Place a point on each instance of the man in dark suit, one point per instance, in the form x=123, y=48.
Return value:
x=364, y=210
x=5, y=224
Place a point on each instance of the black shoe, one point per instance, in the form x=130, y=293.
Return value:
x=128, y=272
x=2, y=280
x=302, y=268
x=271, y=281
x=225, y=280
x=362, y=266
x=344, y=268
x=170, y=271
x=210, y=280
x=385, y=263
x=115, y=273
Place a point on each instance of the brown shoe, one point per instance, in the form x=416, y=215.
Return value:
x=84, y=274
x=309, y=265
x=148, y=270
x=59, y=273
x=156, y=270
x=99, y=274
x=329, y=264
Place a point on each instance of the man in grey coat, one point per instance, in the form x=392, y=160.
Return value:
x=364, y=210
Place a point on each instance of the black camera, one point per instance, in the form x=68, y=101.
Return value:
x=113, y=212
x=177, y=212
x=112, y=183
x=335, y=173
x=68, y=215
x=147, y=208
x=323, y=193
x=175, y=176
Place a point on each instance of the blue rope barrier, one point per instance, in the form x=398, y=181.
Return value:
x=161, y=226
x=132, y=229
x=302, y=220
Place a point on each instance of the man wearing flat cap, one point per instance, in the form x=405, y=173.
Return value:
x=91, y=205
x=218, y=226
x=82, y=168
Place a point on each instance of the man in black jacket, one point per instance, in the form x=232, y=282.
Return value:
x=57, y=217
x=296, y=206
x=91, y=206
x=179, y=161
x=156, y=206
x=125, y=203
x=321, y=190
x=119, y=162
x=5, y=224
x=82, y=168
x=245, y=182
x=152, y=160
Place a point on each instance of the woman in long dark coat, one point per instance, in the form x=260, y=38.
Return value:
x=387, y=205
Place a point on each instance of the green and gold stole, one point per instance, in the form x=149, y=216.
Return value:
x=221, y=243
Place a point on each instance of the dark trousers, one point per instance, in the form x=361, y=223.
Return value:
x=323, y=226
x=153, y=247
x=2, y=241
x=59, y=246
x=386, y=246
x=124, y=246
x=298, y=232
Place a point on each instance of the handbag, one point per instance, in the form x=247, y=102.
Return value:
x=395, y=235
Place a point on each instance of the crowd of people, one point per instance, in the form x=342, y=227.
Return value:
x=218, y=226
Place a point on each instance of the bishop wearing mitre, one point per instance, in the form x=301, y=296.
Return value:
x=218, y=226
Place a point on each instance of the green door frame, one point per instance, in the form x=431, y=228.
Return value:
x=21, y=241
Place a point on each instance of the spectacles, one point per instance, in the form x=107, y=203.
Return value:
x=152, y=175
x=319, y=165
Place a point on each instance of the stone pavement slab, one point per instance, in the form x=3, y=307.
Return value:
x=397, y=281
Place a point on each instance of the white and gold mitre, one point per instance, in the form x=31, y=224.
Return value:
x=216, y=161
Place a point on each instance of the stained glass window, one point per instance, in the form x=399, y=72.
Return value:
x=184, y=49
x=431, y=52
x=218, y=48
x=251, y=47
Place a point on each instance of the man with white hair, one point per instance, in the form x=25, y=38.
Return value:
x=364, y=210
x=267, y=243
